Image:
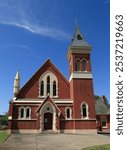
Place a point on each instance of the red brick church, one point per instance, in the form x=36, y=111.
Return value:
x=48, y=101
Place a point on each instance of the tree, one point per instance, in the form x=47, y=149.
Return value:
x=4, y=119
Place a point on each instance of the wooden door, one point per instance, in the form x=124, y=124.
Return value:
x=48, y=117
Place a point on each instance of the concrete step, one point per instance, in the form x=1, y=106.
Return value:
x=48, y=132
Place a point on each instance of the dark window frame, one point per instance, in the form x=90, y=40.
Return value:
x=42, y=88
x=84, y=110
x=68, y=113
x=48, y=85
x=28, y=113
x=78, y=65
x=54, y=88
x=22, y=113
x=84, y=64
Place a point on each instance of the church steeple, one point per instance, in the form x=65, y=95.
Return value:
x=81, y=81
x=78, y=39
x=16, y=84
x=78, y=54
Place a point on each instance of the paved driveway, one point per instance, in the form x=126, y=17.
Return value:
x=53, y=141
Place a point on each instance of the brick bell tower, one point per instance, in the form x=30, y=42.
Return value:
x=81, y=82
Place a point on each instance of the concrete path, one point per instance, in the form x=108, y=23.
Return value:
x=53, y=141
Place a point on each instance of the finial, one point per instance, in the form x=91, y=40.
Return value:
x=76, y=22
x=17, y=75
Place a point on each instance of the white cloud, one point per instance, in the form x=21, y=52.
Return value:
x=24, y=47
x=45, y=31
x=31, y=17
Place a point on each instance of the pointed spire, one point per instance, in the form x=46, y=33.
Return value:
x=78, y=39
x=76, y=22
x=17, y=83
x=78, y=43
x=17, y=77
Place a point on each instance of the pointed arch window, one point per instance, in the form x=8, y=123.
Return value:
x=42, y=88
x=22, y=113
x=54, y=88
x=48, y=85
x=27, y=112
x=84, y=65
x=84, y=111
x=68, y=112
x=77, y=65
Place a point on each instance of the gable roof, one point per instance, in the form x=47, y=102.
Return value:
x=47, y=63
x=48, y=99
x=100, y=107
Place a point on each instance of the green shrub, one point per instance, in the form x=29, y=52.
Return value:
x=3, y=120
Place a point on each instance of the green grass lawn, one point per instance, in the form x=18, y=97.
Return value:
x=3, y=135
x=101, y=147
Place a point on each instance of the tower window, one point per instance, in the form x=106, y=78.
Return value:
x=77, y=65
x=42, y=88
x=83, y=65
x=84, y=110
x=54, y=88
x=48, y=85
x=84, y=113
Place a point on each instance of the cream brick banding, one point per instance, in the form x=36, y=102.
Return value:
x=80, y=75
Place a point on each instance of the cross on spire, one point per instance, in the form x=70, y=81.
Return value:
x=76, y=22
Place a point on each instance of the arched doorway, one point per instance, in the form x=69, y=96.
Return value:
x=48, y=117
x=48, y=120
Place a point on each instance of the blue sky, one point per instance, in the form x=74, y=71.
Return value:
x=31, y=31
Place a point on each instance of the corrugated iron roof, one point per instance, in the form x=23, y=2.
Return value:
x=100, y=107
